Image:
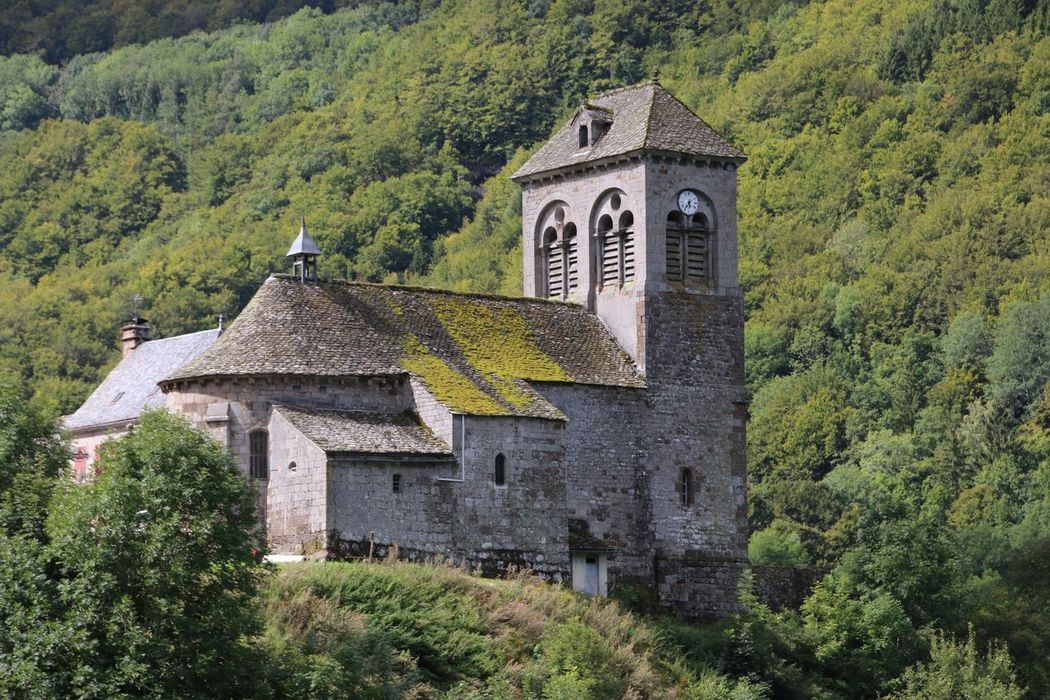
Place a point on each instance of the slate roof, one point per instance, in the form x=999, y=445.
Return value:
x=644, y=117
x=475, y=353
x=357, y=432
x=131, y=387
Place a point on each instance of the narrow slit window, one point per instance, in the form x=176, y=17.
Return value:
x=500, y=471
x=395, y=486
x=584, y=136
x=259, y=454
x=686, y=490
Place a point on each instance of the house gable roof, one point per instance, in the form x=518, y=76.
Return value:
x=476, y=354
x=644, y=117
x=393, y=435
x=131, y=387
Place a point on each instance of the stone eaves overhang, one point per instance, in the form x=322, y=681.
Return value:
x=594, y=166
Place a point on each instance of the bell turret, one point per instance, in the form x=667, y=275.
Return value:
x=304, y=252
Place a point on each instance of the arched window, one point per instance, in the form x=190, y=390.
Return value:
x=685, y=490
x=616, y=245
x=584, y=136
x=259, y=454
x=626, y=228
x=609, y=251
x=395, y=485
x=499, y=474
x=572, y=273
x=552, y=256
x=688, y=248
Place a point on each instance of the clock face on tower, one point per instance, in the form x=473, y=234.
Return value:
x=688, y=202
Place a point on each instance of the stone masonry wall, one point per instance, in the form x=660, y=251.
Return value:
x=474, y=521
x=249, y=400
x=297, y=507
x=607, y=486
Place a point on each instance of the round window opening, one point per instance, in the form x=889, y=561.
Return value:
x=614, y=202
x=291, y=466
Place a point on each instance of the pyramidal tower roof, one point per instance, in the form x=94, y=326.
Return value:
x=643, y=117
x=303, y=243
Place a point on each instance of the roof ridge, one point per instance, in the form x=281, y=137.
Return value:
x=175, y=337
x=314, y=409
x=713, y=130
x=649, y=118
x=433, y=290
x=625, y=88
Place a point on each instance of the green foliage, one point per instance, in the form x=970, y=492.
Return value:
x=776, y=545
x=143, y=581
x=31, y=460
x=894, y=258
x=1019, y=367
x=957, y=672
x=61, y=30
x=395, y=630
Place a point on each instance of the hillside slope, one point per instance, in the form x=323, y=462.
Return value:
x=895, y=242
x=405, y=630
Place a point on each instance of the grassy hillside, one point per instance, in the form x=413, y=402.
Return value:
x=404, y=630
x=895, y=242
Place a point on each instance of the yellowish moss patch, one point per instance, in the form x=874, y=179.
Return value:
x=448, y=385
x=497, y=343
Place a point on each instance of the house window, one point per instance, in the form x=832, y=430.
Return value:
x=685, y=490
x=259, y=454
x=395, y=486
x=500, y=472
x=80, y=463
x=584, y=137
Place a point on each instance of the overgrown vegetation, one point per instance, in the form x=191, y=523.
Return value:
x=895, y=257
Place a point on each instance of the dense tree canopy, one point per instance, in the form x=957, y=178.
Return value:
x=895, y=255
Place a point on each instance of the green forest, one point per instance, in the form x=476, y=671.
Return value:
x=894, y=222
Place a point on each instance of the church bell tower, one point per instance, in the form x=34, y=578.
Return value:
x=634, y=197
x=630, y=211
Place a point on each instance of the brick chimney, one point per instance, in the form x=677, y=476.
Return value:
x=133, y=334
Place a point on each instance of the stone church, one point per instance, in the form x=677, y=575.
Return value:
x=591, y=431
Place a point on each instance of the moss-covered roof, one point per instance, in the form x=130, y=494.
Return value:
x=476, y=354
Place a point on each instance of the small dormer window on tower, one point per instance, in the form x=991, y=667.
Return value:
x=593, y=123
x=304, y=252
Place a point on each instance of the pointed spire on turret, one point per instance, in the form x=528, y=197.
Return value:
x=304, y=252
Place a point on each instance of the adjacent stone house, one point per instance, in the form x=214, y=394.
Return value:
x=130, y=388
x=592, y=431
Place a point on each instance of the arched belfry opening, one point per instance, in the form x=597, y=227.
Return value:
x=614, y=241
x=304, y=253
x=690, y=241
x=558, y=254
